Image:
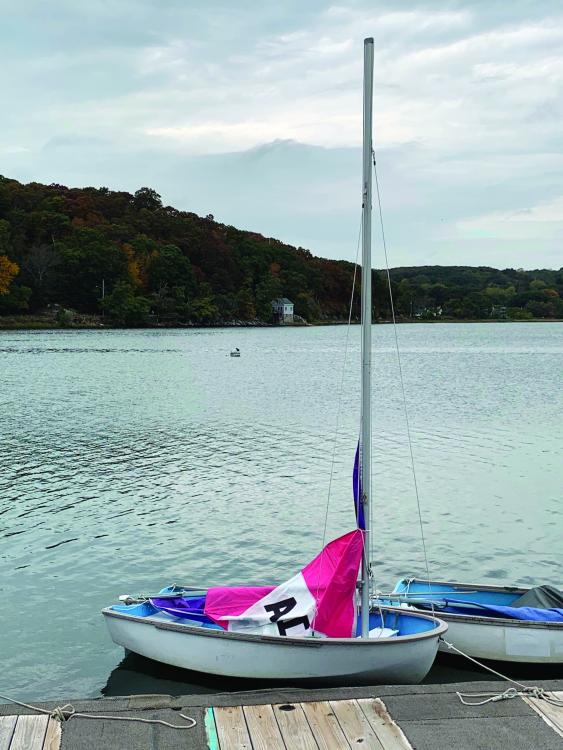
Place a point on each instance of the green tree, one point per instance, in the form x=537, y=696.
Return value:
x=170, y=267
x=147, y=198
x=266, y=290
x=204, y=309
x=87, y=260
x=124, y=307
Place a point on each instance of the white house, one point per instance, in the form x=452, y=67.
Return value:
x=282, y=309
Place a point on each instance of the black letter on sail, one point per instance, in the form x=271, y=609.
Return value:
x=280, y=609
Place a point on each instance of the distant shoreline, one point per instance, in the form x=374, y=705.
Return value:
x=35, y=323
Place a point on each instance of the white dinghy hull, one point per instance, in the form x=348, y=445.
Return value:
x=347, y=661
x=505, y=640
x=493, y=638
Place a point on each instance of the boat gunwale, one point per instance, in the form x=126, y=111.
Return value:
x=505, y=622
x=453, y=584
x=285, y=640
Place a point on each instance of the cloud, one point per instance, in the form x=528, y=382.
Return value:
x=468, y=105
x=543, y=221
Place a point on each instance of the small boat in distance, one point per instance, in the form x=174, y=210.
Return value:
x=498, y=623
x=315, y=627
x=235, y=352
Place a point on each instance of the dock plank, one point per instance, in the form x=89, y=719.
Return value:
x=53, y=735
x=294, y=727
x=388, y=733
x=263, y=728
x=231, y=728
x=551, y=714
x=29, y=733
x=7, y=725
x=355, y=725
x=325, y=726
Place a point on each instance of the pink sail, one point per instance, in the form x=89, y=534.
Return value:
x=319, y=600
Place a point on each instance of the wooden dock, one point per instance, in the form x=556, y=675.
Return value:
x=29, y=733
x=318, y=725
x=423, y=717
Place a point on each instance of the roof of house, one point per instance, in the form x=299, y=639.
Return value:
x=282, y=301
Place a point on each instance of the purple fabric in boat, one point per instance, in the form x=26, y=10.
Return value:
x=515, y=613
x=187, y=607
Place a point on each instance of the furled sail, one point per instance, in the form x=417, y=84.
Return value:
x=357, y=488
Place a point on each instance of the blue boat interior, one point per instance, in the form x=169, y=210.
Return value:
x=447, y=598
x=189, y=609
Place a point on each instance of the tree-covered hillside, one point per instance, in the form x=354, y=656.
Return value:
x=138, y=262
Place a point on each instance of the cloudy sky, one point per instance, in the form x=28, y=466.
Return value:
x=251, y=110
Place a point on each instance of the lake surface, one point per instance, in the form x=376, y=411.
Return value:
x=135, y=459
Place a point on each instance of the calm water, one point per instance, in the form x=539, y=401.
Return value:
x=130, y=460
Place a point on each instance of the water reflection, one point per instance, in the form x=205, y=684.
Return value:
x=136, y=675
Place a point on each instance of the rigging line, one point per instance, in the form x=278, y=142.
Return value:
x=406, y=411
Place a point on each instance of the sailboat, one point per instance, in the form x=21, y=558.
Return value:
x=317, y=626
x=496, y=623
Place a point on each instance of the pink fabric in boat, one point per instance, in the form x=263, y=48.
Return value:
x=330, y=577
x=223, y=601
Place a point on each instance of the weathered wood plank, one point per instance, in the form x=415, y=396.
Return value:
x=231, y=728
x=551, y=714
x=52, y=739
x=389, y=734
x=263, y=728
x=29, y=732
x=294, y=727
x=355, y=725
x=325, y=726
x=7, y=724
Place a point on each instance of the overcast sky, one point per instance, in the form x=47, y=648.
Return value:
x=251, y=110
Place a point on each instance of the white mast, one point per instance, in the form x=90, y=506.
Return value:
x=365, y=438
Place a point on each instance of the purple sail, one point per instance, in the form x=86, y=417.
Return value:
x=357, y=487
x=189, y=607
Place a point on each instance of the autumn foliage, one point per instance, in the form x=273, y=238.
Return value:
x=140, y=262
x=8, y=270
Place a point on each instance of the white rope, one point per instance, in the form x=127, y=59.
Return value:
x=68, y=712
x=525, y=690
x=403, y=391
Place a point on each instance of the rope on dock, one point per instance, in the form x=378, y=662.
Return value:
x=525, y=690
x=67, y=712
